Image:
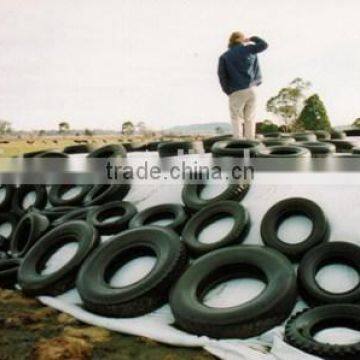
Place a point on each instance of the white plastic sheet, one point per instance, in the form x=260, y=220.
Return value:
x=340, y=203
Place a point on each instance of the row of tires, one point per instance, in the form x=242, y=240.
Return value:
x=284, y=148
x=113, y=150
x=276, y=145
x=231, y=148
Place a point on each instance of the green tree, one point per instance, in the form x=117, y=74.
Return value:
x=141, y=128
x=88, y=132
x=128, y=128
x=313, y=115
x=356, y=123
x=287, y=104
x=5, y=127
x=266, y=126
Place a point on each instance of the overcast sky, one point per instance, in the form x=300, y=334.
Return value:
x=98, y=63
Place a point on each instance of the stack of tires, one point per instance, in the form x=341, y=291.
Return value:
x=186, y=269
x=326, y=309
x=284, y=145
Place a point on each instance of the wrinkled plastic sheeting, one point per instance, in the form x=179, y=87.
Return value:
x=341, y=205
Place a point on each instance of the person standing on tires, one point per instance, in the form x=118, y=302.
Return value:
x=239, y=73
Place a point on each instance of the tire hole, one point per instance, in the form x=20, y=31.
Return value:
x=216, y=230
x=234, y=292
x=61, y=257
x=337, y=278
x=338, y=336
x=29, y=199
x=2, y=194
x=166, y=219
x=5, y=229
x=71, y=193
x=212, y=190
x=133, y=271
x=295, y=229
x=110, y=215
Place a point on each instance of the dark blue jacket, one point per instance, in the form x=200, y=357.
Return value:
x=239, y=66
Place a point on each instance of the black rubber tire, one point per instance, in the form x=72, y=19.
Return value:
x=22, y=191
x=337, y=135
x=29, y=229
x=9, y=273
x=271, y=134
x=101, y=194
x=284, y=135
x=284, y=152
x=143, y=296
x=57, y=191
x=33, y=283
x=235, y=148
x=314, y=260
x=322, y=135
x=252, y=318
x=108, y=151
x=4, y=245
x=78, y=149
x=210, y=214
x=53, y=155
x=76, y=214
x=304, y=136
x=167, y=149
x=191, y=195
x=138, y=146
x=125, y=210
x=318, y=147
x=153, y=146
x=11, y=218
x=352, y=132
x=56, y=212
x=34, y=154
x=5, y=203
x=208, y=143
x=126, y=145
x=278, y=141
x=300, y=330
x=343, y=146
x=3, y=254
x=289, y=207
x=175, y=212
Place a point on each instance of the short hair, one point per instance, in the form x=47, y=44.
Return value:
x=236, y=38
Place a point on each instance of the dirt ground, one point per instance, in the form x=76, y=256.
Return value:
x=29, y=330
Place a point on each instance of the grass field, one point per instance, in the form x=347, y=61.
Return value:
x=31, y=331
x=16, y=147
x=10, y=147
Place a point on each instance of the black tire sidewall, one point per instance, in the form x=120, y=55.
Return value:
x=210, y=214
x=290, y=207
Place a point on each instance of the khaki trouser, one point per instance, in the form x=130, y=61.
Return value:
x=242, y=105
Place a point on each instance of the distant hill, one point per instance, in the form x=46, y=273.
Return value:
x=200, y=129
